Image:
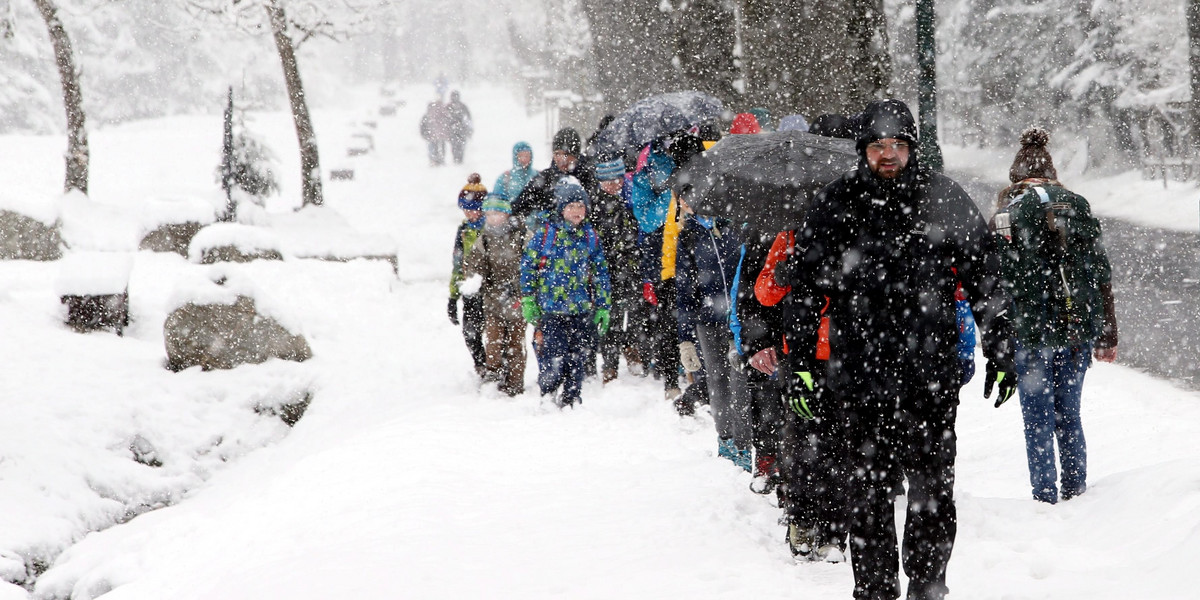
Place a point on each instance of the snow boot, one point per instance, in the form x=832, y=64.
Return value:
x=726, y=449
x=830, y=553
x=610, y=374
x=801, y=539
x=744, y=460
x=766, y=476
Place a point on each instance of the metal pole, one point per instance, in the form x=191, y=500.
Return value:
x=931, y=151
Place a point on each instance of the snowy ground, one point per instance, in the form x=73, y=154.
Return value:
x=405, y=480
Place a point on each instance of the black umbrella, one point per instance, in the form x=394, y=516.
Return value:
x=766, y=179
x=651, y=117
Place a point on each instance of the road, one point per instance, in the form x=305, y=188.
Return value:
x=1156, y=283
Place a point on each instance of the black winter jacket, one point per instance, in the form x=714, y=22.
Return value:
x=704, y=268
x=882, y=251
x=538, y=195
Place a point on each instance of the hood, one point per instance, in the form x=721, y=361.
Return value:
x=522, y=147
x=883, y=119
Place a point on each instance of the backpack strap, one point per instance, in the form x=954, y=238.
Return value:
x=546, y=234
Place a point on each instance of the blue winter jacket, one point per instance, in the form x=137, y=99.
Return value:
x=564, y=269
x=704, y=270
x=510, y=183
x=649, y=193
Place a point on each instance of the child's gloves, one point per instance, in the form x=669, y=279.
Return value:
x=529, y=310
x=601, y=320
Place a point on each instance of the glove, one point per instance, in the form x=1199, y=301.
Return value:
x=529, y=310
x=601, y=320
x=452, y=310
x=968, y=370
x=798, y=401
x=689, y=358
x=648, y=293
x=1006, y=383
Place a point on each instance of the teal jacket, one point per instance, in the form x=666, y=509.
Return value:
x=510, y=183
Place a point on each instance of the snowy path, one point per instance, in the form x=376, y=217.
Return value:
x=405, y=481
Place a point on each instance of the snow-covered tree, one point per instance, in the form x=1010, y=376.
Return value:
x=290, y=24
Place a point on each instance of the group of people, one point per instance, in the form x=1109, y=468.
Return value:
x=831, y=355
x=446, y=122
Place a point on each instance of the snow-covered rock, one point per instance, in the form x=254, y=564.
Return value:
x=223, y=336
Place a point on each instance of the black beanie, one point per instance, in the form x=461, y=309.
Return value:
x=568, y=141
x=883, y=119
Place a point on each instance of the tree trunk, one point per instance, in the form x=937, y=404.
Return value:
x=77, y=142
x=704, y=39
x=1193, y=26
x=632, y=45
x=310, y=161
x=806, y=56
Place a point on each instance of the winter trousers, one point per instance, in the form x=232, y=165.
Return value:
x=1050, y=383
x=664, y=330
x=437, y=152
x=893, y=426
x=618, y=336
x=766, y=412
x=505, y=346
x=815, y=470
x=566, y=340
x=473, y=324
x=457, y=149
x=727, y=392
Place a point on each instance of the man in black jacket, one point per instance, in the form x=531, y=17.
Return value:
x=537, y=199
x=880, y=243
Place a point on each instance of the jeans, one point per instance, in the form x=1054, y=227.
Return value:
x=1050, y=382
x=566, y=343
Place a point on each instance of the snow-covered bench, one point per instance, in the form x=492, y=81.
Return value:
x=95, y=288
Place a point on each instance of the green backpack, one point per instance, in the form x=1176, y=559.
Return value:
x=1053, y=265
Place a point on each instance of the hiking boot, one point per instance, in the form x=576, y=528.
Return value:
x=743, y=460
x=801, y=539
x=766, y=476
x=610, y=374
x=684, y=406
x=830, y=553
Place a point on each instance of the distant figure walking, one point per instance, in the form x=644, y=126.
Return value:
x=460, y=126
x=435, y=130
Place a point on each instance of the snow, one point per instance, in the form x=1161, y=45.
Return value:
x=404, y=479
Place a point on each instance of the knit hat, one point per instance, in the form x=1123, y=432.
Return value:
x=883, y=119
x=567, y=191
x=472, y=194
x=497, y=204
x=1033, y=160
x=613, y=169
x=763, y=116
x=793, y=123
x=568, y=141
x=745, y=123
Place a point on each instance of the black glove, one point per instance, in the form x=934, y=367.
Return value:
x=1005, y=379
x=452, y=310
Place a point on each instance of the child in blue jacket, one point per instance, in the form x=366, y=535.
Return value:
x=566, y=292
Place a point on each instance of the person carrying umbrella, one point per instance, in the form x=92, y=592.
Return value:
x=880, y=243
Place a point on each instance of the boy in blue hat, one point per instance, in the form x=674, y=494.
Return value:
x=565, y=291
x=470, y=200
